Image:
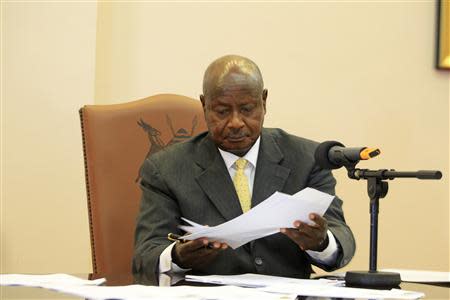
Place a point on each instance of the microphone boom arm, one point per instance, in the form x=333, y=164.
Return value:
x=385, y=174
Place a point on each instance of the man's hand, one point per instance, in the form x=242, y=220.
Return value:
x=196, y=253
x=309, y=237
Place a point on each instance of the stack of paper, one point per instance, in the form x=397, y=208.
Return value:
x=265, y=288
x=342, y=292
x=304, y=287
x=50, y=281
x=258, y=280
x=261, y=220
x=71, y=285
x=140, y=292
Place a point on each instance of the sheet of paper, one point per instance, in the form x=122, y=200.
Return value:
x=140, y=292
x=421, y=276
x=261, y=220
x=258, y=280
x=46, y=281
x=342, y=292
x=193, y=224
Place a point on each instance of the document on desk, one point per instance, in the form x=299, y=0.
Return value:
x=342, y=292
x=278, y=211
x=303, y=287
x=141, y=292
x=251, y=280
x=46, y=281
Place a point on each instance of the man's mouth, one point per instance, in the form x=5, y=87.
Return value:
x=237, y=138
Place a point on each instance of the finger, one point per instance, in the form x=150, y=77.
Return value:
x=207, y=252
x=318, y=220
x=224, y=245
x=194, y=254
x=306, y=229
x=306, y=236
x=216, y=245
x=193, y=245
x=298, y=223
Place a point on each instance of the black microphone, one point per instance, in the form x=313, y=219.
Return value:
x=333, y=155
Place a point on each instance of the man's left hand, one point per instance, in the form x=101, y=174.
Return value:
x=309, y=237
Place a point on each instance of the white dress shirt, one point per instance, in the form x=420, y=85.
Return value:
x=327, y=256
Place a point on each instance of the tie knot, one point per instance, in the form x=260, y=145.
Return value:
x=241, y=163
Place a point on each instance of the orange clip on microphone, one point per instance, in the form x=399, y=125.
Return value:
x=368, y=153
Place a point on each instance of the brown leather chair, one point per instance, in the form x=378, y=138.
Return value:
x=116, y=140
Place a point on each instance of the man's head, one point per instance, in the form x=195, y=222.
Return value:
x=234, y=102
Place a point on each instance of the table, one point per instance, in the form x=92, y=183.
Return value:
x=439, y=291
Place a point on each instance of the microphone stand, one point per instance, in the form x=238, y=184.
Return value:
x=377, y=188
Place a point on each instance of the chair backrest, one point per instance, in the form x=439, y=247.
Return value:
x=116, y=140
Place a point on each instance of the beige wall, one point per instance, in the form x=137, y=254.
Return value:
x=48, y=52
x=361, y=73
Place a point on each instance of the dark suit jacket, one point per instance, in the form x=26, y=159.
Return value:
x=191, y=180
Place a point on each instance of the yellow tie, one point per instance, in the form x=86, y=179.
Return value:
x=241, y=184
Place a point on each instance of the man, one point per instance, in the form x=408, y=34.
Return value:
x=219, y=174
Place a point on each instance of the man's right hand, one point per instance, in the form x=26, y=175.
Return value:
x=197, y=253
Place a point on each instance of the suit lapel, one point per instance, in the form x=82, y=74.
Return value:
x=270, y=175
x=215, y=180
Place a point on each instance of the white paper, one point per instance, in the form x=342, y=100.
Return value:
x=193, y=224
x=46, y=281
x=421, y=276
x=342, y=292
x=141, y=292
x=261, y=220
x=258, y=280
x=303, y=287
x=269, y=288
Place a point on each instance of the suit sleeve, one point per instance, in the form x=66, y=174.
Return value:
x=324, y=181
x=159, y=215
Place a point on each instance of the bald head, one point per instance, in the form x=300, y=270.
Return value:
x=232, y=70
x=234, y=103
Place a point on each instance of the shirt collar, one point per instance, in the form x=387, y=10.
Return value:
x=251, y=156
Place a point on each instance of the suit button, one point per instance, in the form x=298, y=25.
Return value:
x=258, y=261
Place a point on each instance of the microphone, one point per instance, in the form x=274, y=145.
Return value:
x=333, y=155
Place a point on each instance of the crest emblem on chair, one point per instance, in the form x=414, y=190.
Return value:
x=154, y=136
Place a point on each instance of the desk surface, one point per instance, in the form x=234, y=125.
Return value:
x=17, y=292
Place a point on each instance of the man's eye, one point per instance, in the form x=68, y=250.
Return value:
x=246, y=109
x=222, y=112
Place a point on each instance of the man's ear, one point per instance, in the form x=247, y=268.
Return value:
x=202, y=99
x=264, y=97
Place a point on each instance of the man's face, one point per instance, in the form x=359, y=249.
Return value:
x=235, y=117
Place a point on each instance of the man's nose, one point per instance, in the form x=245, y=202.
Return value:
x=236, y=121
